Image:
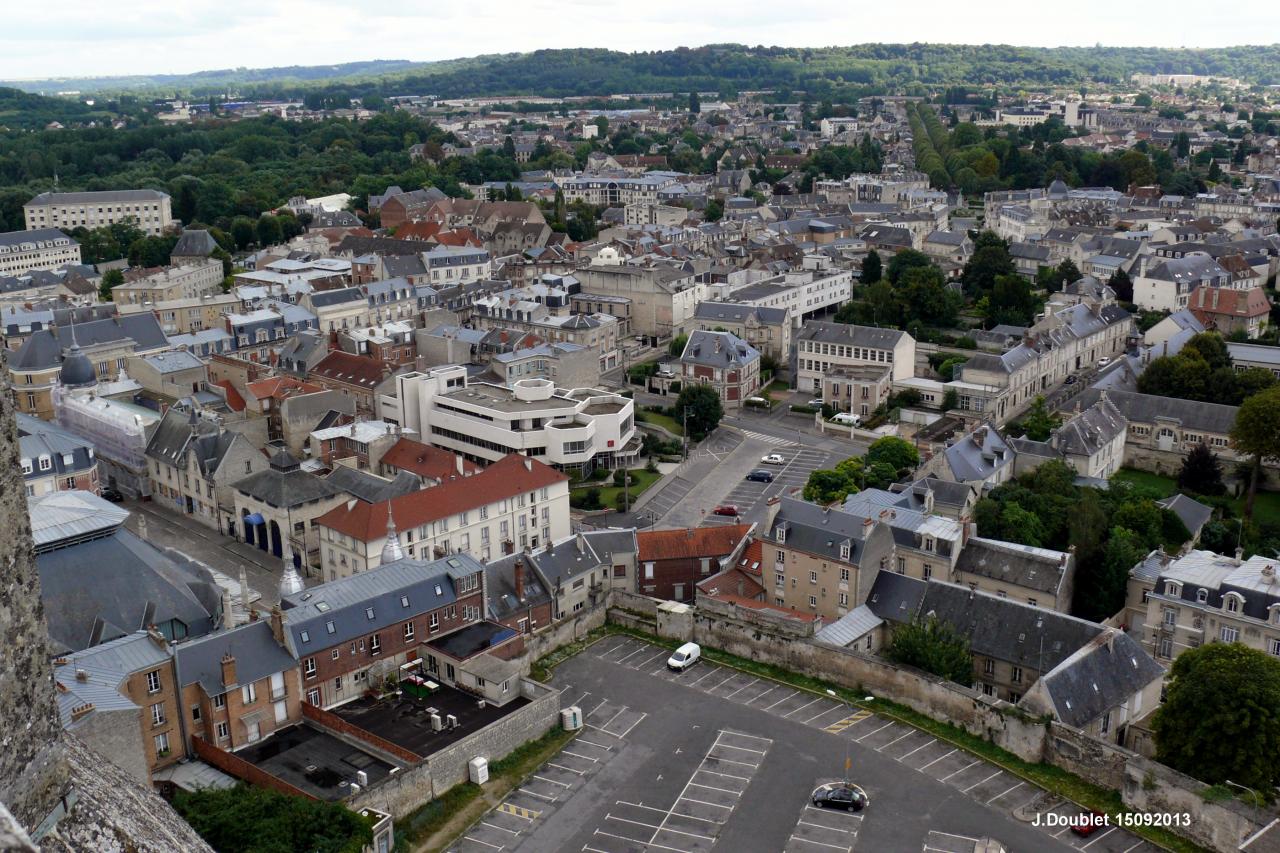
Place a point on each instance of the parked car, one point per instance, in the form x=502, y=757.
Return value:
x=815, y=404
x=774, y=459
x=846, y=419
x=684, y=657
x=1103, y=362
x=841, y=795
x=1087, y=823
x=1071, y=380
x=112, y=495
x=760, y=475
x=725, y=509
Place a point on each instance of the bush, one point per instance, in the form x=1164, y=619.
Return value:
x=966, y=342
x=620, y=477
x=651, y=466
x=247, y=818
x=591, y=498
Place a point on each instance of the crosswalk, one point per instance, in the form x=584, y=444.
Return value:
x=769, y=439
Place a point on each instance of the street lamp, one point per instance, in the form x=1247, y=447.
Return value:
x=848, y=708
x=1257, y=800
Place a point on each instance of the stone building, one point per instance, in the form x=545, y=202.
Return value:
x=148, y=209
x=42, y=249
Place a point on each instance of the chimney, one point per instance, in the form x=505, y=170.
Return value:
x=228, y=671
x=277, y=624
x=81, y=710
x=519, y=580
x=1239, y=555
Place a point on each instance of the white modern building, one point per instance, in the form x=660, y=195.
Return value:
x=43, y=249
x=577, y=429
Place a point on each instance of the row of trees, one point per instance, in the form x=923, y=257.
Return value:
x=1202, y=370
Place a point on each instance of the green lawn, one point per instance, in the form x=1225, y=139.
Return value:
x=1266, y=506
x=667, y=422
x=640, y=481
x=777, y=386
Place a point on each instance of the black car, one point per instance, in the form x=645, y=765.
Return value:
x=1071, y=380
x=760, y=475
x=112, y=495
x=841, y=795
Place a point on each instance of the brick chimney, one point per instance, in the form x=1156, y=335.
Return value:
x=277, y=624
x=228, y=670
x=519, y=580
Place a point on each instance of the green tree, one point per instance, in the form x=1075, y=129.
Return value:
x=1012, y=302
x=989, y=261
x=151, y=251
x=243, y=232
x=509, y=147
x=1201, y=472
x=111, y=278
x=905, y=260
x=1100, y=586
x=899, y=454
x=827, y=487
x=933, y=646
x=695, y=103
x=248, y=818
x=1121, y=285
x=871, y=268
x=677, y=345
x=1211, y=347
x=700, y=407
x=950, y=399
x=1021, y=525
x=1221, y=716
x=1039, y=423
x=714, y=211
x=269, y=231
x=1256, y=433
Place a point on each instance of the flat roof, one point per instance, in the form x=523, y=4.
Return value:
x=406, y=720
x=314, y=761
x=504, y=399
x=476, y=637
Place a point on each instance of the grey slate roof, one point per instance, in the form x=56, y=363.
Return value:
x=500, y=588
x=253, y=646
x=844, y=333
x=1033, y=568
x=718, y=349
x=978, y=455
x=1193, y=514
x=133, y=584
x=1147, y=408
x=564, y=561
x=371, y=488
x=737, y=312
x=850, y=627
x=340, y=296
x=101, y=195
x=394, y=592
x=38, y=438
x=1098, y=677
x=194, y=243
x=817, y=530
x=894, y=597
x=1092, y=429
x=284, y=484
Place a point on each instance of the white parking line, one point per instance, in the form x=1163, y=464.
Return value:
x=650, y=660
x=976, y=784
x=633, y=725
x=704, y=803
x=824, y=713
x=784, y=698
x=762, y=695
x=1134, y=847
x=714, y=788
x=634, y=841
x=710, y=671
x=743, y=687
x=1099, y=838
x=869, y=734
x=614, y=717
x=725, y=775
x=633, y=654
x=535, y=794
x=552, y=781
x=998, y=796
x=731, y=761
x=658, y=828
x=743, y=748
x=895, y=740
x=562, y=767
x=961, y=770
x=576, y=755
x=485, y=843
x=723, y=683
x=818, y=843
x=936, y=760
x=503, y=828
x=917, y=749
x=581, y=739
x=664, y=811
x=801, y=708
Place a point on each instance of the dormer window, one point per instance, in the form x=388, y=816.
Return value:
x=1173, y=588
x=1202, y=595
x=780, y=533
x=1232, y=602
x=844, y=550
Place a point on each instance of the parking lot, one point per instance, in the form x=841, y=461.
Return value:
x=750, y=496
x=716, y=757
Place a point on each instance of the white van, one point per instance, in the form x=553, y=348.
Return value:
x=684, y=657
x=846, y=419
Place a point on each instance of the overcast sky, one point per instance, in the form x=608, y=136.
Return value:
x=91, y=37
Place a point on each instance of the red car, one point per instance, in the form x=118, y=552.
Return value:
x=725, y=509
x=1088, y=823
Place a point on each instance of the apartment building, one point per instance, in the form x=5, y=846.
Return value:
x=40, y=249
x=617, y=192
x=190, y=281
x=517, y=310
x=187, y=315
x=1039, y=576
x=672, y=562
x=354, y=376
x=54, y=459
x=149, y=209
x=358, y=630
x=1066, y=342
x=663, y=298
x=194, y=463
x=823, y=347
x=820, y=560
x=578, y=429
x=1166, y=284
x=802, y=293
x=860, y=390
x=766, y=329
x=515, y=503
x=724, y=362
x=1204, y=597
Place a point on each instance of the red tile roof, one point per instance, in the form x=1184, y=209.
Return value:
x=732, y=582
x=234, y=401
x=417, y=230
x=694, y=542
x=279, y=387
x=1208, y=303
x=434, y=463
x=751, y=558
x=505, y=478
x=349, y=368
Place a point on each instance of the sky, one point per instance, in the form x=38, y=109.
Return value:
x=73, y=38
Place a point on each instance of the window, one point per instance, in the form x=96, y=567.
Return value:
x=249, y=693
x=45, y=463
x=313, y=697
x=1105, y=725
x=1017, y=675
x=844, y=575
x=162, y=744
x=1202, y=595
x=153, y=682
x=902, y=566
x=157, y=714
x=337, y=684
x=844, y=555
x=1165, y=649
x=928, y=571
x=375, y=645
x=844, y=599
x=309, y=667
x=408, y=631
x=1228, y=634
x=220, y=701
x=1233, y=604
x=195, y=713
x=433, y=622
x=813, y=601
x=1170, y=617
x=223, y=731
x=813, y=577
x=333, y=655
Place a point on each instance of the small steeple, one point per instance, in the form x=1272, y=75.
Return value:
x=290, y=581
x=391, y=551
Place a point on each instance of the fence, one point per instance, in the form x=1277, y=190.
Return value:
x=333, y=722
x=241, y=769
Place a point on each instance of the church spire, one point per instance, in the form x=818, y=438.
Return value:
x=391, y=551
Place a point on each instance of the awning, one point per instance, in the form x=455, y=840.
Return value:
x=255, y=518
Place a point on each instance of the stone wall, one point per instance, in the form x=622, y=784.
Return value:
x=117, y=735
x=498, y=739
x=397, y=794
x=559, y=634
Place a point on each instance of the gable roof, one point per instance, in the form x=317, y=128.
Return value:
x=1098, y=676
x=1023, y=565
x=690, y=543
x=350, y=368
x=254, y=647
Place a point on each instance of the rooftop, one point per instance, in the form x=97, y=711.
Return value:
x=472, y=639
x=314, y=761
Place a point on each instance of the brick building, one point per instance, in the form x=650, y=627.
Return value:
x=673, y=561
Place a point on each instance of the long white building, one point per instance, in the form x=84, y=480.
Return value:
x=42, y=249
x=577, y=429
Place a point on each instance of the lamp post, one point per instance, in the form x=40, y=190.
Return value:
x=1257, y=800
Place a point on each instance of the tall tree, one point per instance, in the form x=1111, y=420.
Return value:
x=907, y=259
x=1039, y=423
x=934, y=646
x=695, y=103
x=700, y=407
x=1256, y=433
x=111, y=278
x=1220, y=718
x=269, y=231
x=1201, y=472
x=1121, y=285
x=871, y=268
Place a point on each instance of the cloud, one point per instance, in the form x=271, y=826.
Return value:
x=89, y=37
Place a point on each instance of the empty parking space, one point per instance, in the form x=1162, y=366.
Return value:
x=693, y=821
x=1051, y=811
x=819, y=829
